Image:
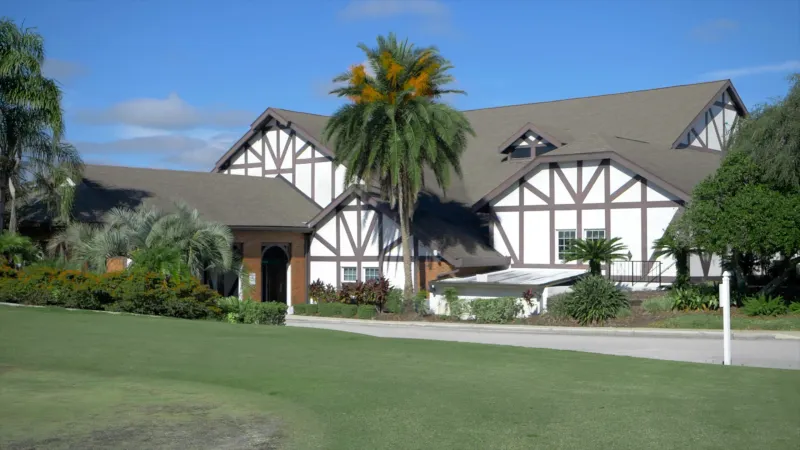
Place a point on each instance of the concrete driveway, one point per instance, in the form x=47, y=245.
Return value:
x=757, y=349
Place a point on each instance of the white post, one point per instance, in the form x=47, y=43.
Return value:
x=725, y=304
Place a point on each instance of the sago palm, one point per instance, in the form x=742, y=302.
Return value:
x=16, y=250
x=596, y=252
x=395, y=131
x=202, y=245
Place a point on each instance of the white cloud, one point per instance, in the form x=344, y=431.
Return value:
x=170, y=113
x=62, y=70
x=189, y=152
x=371, y=9
x=716, y=30
x=434, y=14
x=788, y=66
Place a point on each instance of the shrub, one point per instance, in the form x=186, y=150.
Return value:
x=794, y=308
x=456, y=307
x=321, y=292
x=763, y=305
x=349, y=310
x=374, y=292
x=366, y=312
x=394, y=301
x=351, y=293
x=421, y=302
x=134, y=292
x=557, y=306
x=301, y=309
x=694, y=298
x=495, y=310
x=312, y=310
x=658, y=304
x=595, y=299
x=264, y=313
x=330, y=309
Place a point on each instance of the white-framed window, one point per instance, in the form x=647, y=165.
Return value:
x=565, y=240
x=594, y=234
x=371, y=273
x=349, y=274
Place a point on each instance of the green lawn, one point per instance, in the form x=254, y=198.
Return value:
x=84, y=379
x=713, y=321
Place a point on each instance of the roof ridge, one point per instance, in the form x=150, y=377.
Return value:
x=594, y=96
x=300, y=112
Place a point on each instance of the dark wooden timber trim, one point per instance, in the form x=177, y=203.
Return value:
x=312, y=160
x=607, y=193
x=643, y=210
x=628, y=184
x=592, y=181
x=338, y=246
x=553, y=237
x=521, y=234
x=355, y=259
x=590, y=156
x=585, y=206
x=564, y=181
x=728, y=88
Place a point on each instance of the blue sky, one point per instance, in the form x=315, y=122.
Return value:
x=173, y=84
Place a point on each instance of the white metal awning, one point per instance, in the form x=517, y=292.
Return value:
x=518, y=277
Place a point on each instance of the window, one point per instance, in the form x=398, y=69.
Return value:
x=521, y=153
x=595, y=235
x=565, y=240
x=371, y=273
x=349, y=274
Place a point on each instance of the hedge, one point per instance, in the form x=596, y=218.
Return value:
x=131, y=291
x=367, y=312
x=349, y=310
x=330, y=309
x=301, y=309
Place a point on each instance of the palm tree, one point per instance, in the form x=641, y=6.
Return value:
x=31, y=123
x=16, y=250
x=395, y=131
x=201, y=245
x=673, y=245
x=596, y=251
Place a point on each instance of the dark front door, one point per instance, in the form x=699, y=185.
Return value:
x=274, y=263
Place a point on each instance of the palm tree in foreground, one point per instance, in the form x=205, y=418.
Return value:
x=395, y=129
x=31, y=124
x=596, y=252
x=155, y=236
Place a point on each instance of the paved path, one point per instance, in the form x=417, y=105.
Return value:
x=758, y=349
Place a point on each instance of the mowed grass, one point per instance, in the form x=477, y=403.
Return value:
x=713, y=321
x=83, y=379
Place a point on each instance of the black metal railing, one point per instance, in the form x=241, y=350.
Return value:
x=634, y=272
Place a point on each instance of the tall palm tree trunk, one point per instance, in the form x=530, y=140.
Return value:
x=405, y=240
x=12, y=217
x=3, y=183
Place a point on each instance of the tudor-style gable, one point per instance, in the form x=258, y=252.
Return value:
x=276, y=147
x=711, y=129
x=594, y=198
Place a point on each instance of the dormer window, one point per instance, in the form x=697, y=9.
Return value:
x=528, y=142
x=521, y=153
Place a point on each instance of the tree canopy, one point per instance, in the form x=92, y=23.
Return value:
x=750, y=208
x=395, y=131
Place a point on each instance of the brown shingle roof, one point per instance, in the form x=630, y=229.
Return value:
x=655, y=116
x=235, y=200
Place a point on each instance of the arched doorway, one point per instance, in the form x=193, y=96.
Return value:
x=274, y=263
